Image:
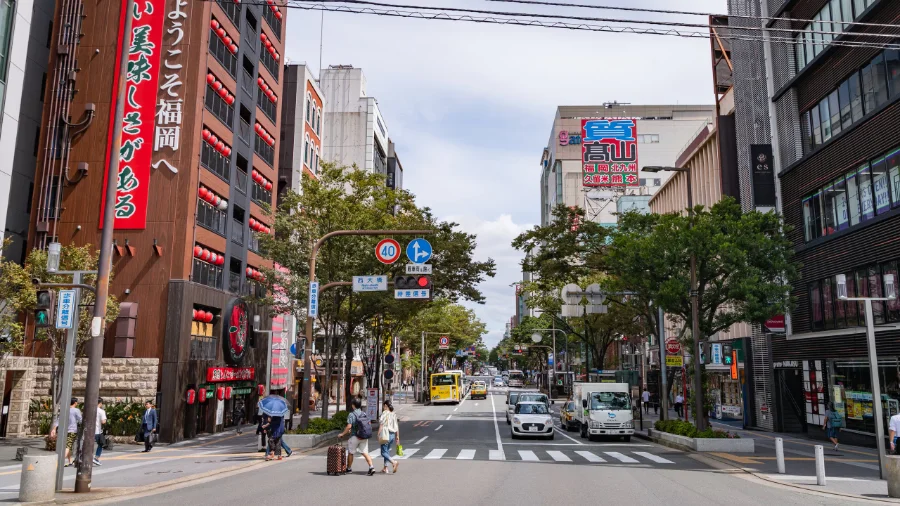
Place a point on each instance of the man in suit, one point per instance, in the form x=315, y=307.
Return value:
x=148, y=425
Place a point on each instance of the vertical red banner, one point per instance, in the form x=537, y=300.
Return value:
x=142, y=78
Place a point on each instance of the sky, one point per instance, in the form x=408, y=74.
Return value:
x=470, y=106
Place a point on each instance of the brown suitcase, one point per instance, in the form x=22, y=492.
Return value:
x=337, y=460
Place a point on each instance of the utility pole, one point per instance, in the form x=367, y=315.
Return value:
x=98, y=323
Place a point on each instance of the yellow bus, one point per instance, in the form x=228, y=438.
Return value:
x=446, y=387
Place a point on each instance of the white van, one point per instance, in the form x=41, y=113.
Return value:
x=603, y=409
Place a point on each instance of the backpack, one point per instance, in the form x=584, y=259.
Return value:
x=836, y=421
x=363, y=426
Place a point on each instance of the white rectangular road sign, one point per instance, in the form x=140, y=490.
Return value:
x=314, y=299
x=412, y=294
x=418, y=268
x=376, y=283
x=65, y=309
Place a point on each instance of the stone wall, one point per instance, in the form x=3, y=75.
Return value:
x=121, y=378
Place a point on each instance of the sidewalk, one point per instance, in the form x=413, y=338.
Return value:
x=850, y=470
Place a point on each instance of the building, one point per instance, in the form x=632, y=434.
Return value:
x=24, y=49
x=394, y=168
x=837, y=143
x=662, y=133
x=301, y=128
x=355, y=132
x=199, y=160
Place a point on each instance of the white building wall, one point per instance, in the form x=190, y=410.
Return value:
x=353, y=121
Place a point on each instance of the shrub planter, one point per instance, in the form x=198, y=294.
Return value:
x=703, y=444
x=305, y=441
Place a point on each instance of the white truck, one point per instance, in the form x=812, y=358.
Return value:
x=603, y=409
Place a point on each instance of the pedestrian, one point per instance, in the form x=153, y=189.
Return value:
x=388, y=434
x=75, y=419
x=833, y=424
x=274, y=427
x=239, y=415
x=645, y=398
x=359, y=425
x=148, y=426
x=679, y=405
x=894, y=432
x=655, y=401
x=98, y=431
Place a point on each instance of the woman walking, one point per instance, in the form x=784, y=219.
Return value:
x=388, y=434
x=274, y=427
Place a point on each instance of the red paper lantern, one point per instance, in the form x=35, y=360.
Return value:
x=212, y=257
x=221, y=260
x=210, y=78
x=223, y=92
x=233, y=48
x=218, y=201
x=252, y=223
x=212, y=139
x=220, y=32
x=194, y=317
x=227, y=151
x=217, y=85
x=268, y=186
x=268, y=44
x=276, y=55
x=210, y=317
x=261, y=389
x=271, y=141
x=255, y=174
x=198, y=251
x=220, y=393
x=229, y=100
x=262, y=37
x=228, y=392
x=278, y=15
x=227, y=40
x=202, y=193
x=205, y=256
x=220, y=146
x=202, y=394
x=213, y=24
x=260, y=82
x=191, y=396
x=249, y=272
x=206, y=134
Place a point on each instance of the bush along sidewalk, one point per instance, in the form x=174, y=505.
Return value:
x=687, y=429
x=320, y=425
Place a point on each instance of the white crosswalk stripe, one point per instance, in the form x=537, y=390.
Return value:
x=621, y=457
x=590, y=457
x=466, y=455
x=436, y=454
x=496, y=455
x=654, y=458
x=558, y=456
x=528, y=455
x=407, y=453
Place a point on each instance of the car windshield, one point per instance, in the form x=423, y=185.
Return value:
x=533, y=398
x=517, y=376
x=498, y=378
x=610, y=400
x=479, y=384
x=570, y=406
x=442, y=380
x=531, y=409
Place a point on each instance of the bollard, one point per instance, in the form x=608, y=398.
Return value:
x=820, y=465
x=892, y=474
x=38, y=481
x=779, y=454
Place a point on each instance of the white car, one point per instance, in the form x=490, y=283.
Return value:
x=532, y=419
x=498, y=382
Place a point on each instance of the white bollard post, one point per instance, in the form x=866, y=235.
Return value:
x=820, y=465
x=779, y=454
x=38, y=483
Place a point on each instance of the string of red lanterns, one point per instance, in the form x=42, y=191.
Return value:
x=258, y=226
x=274, y=8
x=208, y=256
x=269, y=46
x=267, y=91
x=203, y=316
x=254, y=274
x=266, y=137
x=208, y=195
x=261, y=180
x=223, y=36
x=220, y=89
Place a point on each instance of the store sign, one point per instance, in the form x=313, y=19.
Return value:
x=775, y=324
x=787, y=364
x=674, y=361
x=138, y=123
x=567, y=139
x=716, y=352
x=169, y=109
x=235, y=331
x=609, y=152
x=220, y=374
x=763, y=175
x=281, y=357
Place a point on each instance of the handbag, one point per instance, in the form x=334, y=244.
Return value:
x=399, y=450
x=384, y=435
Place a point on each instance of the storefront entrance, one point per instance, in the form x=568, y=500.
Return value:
x=791, y=405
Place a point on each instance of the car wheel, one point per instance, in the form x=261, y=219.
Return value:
x=513, y=435
x=508, y=422
x=552, y=436
x=627, y=439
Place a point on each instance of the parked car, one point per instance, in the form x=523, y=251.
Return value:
x=531, y=419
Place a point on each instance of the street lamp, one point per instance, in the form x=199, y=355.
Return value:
x=536, y=337
x=53, y=254
x=890, y=292
x=695, y=303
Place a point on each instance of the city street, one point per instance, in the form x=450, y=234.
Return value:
x=463, y=454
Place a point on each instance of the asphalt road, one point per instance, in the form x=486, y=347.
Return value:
x=464, y=454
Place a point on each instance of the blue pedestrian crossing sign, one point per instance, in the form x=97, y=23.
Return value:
x=418, y=251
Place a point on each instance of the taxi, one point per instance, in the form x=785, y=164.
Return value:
x=479, y=389
x=567, y=415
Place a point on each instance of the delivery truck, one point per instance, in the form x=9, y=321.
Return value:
x=603, y=409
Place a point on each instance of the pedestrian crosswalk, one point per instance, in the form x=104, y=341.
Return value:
x=536, y=455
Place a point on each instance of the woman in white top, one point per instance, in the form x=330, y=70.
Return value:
x=388, y=434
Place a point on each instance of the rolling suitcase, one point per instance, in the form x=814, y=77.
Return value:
x=337, y=460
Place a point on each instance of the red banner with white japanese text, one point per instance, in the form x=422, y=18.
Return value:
x=135, y=153
x=219, y=374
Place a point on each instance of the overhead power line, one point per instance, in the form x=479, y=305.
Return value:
x=688, y=13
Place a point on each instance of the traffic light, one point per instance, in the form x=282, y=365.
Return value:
x=44, y=308
x=726, y=354
x=705, y=353
x=417, y=282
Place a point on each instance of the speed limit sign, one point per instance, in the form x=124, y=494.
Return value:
x=387, y=251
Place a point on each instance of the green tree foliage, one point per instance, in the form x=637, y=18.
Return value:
x=443, y=317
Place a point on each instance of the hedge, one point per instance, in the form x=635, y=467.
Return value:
x=687, y=429
x=322, y=425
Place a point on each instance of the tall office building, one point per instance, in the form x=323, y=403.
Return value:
x=301, y=127
x=198, y=163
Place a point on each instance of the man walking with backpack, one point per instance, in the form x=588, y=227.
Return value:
x=833, y=424
x=359, y=425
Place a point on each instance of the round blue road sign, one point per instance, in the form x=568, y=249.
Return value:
x=418, y=251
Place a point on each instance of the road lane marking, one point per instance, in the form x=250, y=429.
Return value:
x=438, y=428
x=528, y=455
x=448, y=416
x=436, y=454
x=590, y=457
x=457, y=407
x=558, y=456
x=737, y=458
x=407, y=453
x=654, y=458
x=476, y=403
x=466, y=455
x=496, y=455
x=566, y=435
x=621, y=457
x=420, y=441
x=789, y=477
x=499, y=449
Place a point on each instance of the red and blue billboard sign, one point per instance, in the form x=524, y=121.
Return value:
x=609, y=152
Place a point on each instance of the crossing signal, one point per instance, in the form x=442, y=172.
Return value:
x=727, y=358
x=42, y=312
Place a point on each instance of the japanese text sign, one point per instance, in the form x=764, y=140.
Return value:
x=220, y=374
x=609, y=152
x=138, y=123
x=369, y=283
x=314, y=299
x=65, y=309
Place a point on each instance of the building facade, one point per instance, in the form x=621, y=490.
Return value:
x=198, y=162
x=662, y=133
x=301, y=128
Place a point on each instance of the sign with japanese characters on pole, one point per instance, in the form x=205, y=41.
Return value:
x=376, y=283
x=138, y=123
x=609, y=152
x=169, y=108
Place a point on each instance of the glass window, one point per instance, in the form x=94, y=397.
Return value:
x=875, y=290
x=815, y=306
x=829, y=215
x=893, y=164
x=837, y=16
x=798, y=52
x=827, y=303
x=892, y=60
x=816, y=125
x=809, y=43
x=847, y=8
x=812, y=216
x=859, y=6
x=892, y=312
x=853, y=198
x=826, y=24
x=835, y=109
x=806, y=128
x=879, y=80
x=851, y=306
x=844, y=104
x=826, y=119
x=817, y=33
x=881, y=186
x=868, y=87
x=839, y=197
x=866, y=200
x=7, y=11
x=856, y=105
